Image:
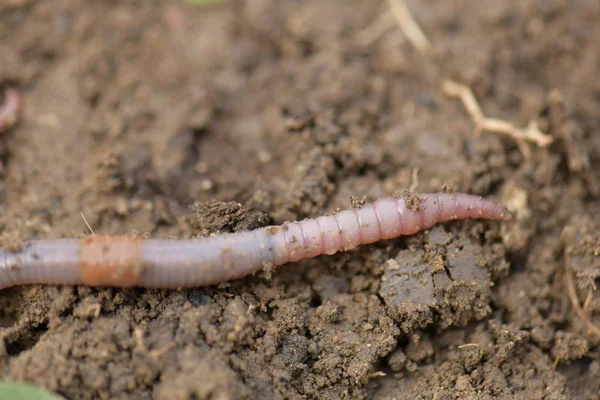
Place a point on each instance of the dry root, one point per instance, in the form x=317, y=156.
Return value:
x=376, y=29
x=581, y=312
x=400, y=15
x=409, y=26
x=415, y=180
x=531, y=133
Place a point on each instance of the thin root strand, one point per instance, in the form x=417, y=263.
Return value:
x=399, y=14
x=576, y=306
x=409, y=26
x=531, y=133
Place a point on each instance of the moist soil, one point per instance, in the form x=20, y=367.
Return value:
x=167, y=120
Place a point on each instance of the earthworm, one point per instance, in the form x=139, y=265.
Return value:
x=121, y=261
x=9, y=111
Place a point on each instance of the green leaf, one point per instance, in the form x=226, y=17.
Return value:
x=24, y=391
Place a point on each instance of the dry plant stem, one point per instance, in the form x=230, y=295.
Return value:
x=376, y=29
x=415, y=180
x=87, y=224
x=575, y=303
x=531, y=133
x=409, y=26
x=9, y=110
x=157, y=263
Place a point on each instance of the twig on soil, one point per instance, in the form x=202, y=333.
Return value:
x=157, y=263
x=415, y=180
x=531, y=133
x=575, y=303
x=401, y=16
x=376, y=29
x=409, y=26
x=9, y=110
x=464, y=346
x=88, y=225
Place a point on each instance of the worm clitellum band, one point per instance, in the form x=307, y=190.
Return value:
x=157, y=263
x=9, y=110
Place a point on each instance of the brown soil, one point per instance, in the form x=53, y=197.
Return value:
x=160, y=119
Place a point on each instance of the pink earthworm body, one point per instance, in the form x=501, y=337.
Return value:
x=9, y=110
x=158, y=263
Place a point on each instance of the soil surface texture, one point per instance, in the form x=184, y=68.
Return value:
x=168, y=120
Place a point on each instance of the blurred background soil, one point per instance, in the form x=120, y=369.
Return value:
x=164, y=119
